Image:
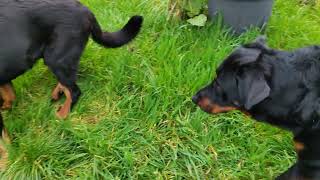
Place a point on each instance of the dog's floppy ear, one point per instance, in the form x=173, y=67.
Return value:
x=261, y=39
x=252, y=88
x=247, y=55
x=259, y=43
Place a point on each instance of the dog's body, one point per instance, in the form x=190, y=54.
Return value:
x=57, y=31
x=278, y=87
x=294, y=81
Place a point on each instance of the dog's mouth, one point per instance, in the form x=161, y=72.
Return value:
x=206, y=105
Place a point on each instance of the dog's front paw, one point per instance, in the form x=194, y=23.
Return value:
x=6, y=105
x=63, y=112
x=57, y=92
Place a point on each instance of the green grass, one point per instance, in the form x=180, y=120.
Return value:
x=135, y=119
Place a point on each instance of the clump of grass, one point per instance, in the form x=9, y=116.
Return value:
x=135, y=119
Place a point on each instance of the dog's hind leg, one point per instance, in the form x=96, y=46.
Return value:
x=4, y=139
x=8, y=95
x=62, y=57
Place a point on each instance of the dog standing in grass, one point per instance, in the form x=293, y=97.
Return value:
x=57, y=31
x=281, y=88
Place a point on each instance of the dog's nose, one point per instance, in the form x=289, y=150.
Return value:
x=195, y=98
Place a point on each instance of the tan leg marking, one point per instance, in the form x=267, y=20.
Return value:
x=8, y=95
x=3, y=150
x=64, y=110
x=55, y=95
x=299, y=146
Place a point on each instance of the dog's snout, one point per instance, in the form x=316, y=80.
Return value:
x=196, y=98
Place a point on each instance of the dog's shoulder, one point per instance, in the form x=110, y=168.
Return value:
x=307, y=61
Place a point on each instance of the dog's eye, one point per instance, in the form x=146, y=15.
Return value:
x=217, y=84
x=218, y=87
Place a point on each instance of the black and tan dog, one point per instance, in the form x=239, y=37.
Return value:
x=278, y=87
x=57, y=31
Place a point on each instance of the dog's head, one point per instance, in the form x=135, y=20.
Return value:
x=240, y=82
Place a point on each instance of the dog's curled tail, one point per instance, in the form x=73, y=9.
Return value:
x=119, y=38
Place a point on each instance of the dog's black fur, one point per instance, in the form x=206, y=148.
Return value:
x=278, y=87
x=55, y=30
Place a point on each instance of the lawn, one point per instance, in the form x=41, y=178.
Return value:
x=135, y=119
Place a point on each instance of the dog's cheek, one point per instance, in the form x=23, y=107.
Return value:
x=203, y=102
x=246, y=113
x=221, y=109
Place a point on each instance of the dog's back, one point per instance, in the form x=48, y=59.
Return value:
x=57, y=31
x=30, y=29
